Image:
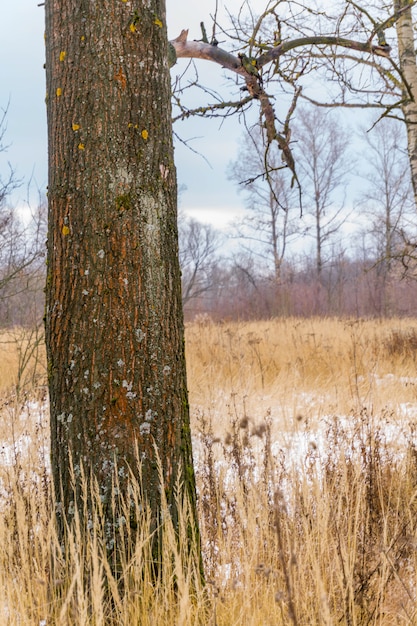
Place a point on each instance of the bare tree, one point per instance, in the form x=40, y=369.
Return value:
x=10, y=230
x=22, y=267
x=22, y=240
x=270, y=223
x=199, y=244
x=407, y=61
x=280, y=53
x=321, y=148
x=8, y=182
x=387, y=202
x=281, y=48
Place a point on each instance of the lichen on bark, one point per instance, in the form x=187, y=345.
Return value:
x=114, y=325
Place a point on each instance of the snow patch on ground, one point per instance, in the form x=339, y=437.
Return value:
x=24, y=427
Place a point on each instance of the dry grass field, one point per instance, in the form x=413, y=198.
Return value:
x=306, y=456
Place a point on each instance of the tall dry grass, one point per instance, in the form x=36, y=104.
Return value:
x=302, y=367
x=22, y=360
x=306, y=458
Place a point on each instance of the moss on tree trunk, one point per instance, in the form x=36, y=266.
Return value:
x=114, y=325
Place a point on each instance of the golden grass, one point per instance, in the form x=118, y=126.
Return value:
x=302, y=367
x=307, y=475
x=22, y=359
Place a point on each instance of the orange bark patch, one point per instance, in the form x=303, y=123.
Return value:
x=121, y=78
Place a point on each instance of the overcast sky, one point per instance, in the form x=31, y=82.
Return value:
x=208, y=194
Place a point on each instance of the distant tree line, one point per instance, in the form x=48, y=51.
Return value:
x=355, y=259
x=350, y=252
x=264, y=273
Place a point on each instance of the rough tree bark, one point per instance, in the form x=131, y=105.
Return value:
x=408, y=66
x=114, y=326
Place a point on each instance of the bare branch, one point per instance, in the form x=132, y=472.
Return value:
x=223, y=109
x=201, y=50
x=248, y=68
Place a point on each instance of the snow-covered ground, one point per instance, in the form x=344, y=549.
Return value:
x=24, y=433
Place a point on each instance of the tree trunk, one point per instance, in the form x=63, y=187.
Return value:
x=114, y=326
x=408, y=66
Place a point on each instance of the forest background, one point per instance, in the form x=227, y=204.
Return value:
x=340, y=253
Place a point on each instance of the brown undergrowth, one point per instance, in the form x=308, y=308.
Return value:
x=306, y=458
